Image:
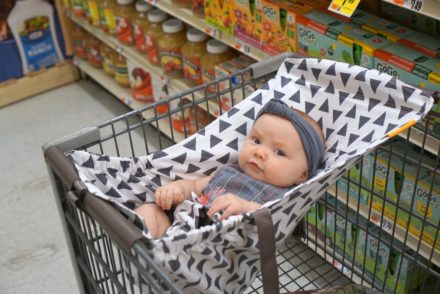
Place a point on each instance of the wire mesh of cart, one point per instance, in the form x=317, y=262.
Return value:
x=335, y=245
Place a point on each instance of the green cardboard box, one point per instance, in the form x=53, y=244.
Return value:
x=323, y=35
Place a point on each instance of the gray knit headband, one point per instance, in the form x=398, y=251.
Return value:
x=313, y=145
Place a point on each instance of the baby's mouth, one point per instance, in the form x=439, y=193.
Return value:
x=254, y=166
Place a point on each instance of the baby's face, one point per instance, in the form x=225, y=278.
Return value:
x=273, y=153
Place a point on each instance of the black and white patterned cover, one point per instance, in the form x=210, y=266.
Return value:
x=356, y=108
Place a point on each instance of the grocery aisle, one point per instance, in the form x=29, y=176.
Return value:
x=33, y=256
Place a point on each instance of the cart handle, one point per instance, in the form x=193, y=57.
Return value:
x=110, y=219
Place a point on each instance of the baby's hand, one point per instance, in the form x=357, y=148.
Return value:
x=169, y=195
x=231, y=204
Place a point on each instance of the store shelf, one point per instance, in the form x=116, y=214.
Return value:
x=129, y=52
x=429, y=8
x=37, y=82
x=375, y=217
x=198, y=22
x=124, y=95
x=422, y=139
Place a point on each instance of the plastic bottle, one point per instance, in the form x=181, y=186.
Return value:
x=108, y=22
x=154, y=31
x=33, y=28
x=170, y=48
x=192, y=53
x=124, y=15
x=140, y=25
x=218, y=52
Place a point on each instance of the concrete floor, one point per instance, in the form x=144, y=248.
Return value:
x=33, y=252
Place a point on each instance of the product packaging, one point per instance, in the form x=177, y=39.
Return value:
x=218, y=13
x=248, y=20
x=140, y=83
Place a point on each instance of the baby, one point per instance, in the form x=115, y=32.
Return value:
x=283, y=149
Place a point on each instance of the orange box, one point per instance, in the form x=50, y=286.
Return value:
x=248, y=20
x=219, y=14
x=279, y=25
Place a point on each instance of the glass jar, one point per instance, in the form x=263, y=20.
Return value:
x=79, y=42
x=192, y=53
x=140, y=25
x=108, y=56
x=78, y=8
x=108, y=21
x=154, y=31
x=93, y=54
x=217, y=52
x=121, y=71
x=124, y=15
x=170, y=48
x=182, y=3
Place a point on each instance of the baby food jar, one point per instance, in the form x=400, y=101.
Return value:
x=217, y=53
x=108, y=56
x=108, y=19
x=79, y=42
x=93, y=54
x=192, y=53
x=121, y=71
x=182, y=3
x=154, y=31
x=170, y=48
x=140, y=25
x=124, y=14
x=78, y=7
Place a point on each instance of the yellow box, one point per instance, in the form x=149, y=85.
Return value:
x=248, y=20
x=279, y=25
x=219, y=13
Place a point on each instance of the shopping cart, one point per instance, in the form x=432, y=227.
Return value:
x=111, y=255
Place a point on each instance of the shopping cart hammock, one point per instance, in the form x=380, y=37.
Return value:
x=358, y=109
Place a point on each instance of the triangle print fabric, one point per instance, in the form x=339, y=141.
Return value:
x=356, y=109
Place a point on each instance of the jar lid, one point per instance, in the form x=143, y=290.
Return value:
x=172, y=26
x=216, y=47
x=125, y=2
x=143, y=6
x=156, y=15
x=195, y=35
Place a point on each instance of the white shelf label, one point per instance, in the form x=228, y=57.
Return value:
x=242, y=47
x=119, y=48
x=211, y=31
x=415, y=5
x=152, y=2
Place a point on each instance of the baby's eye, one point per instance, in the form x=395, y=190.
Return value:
x=256, y=140
x=280, y=152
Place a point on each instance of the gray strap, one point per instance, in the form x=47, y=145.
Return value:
x=266, y=237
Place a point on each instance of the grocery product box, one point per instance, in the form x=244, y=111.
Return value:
x=409, y=65
x=232, y=97
x=411, y=19
x=388, y=266
x=219, y=14
x=321, y=222
x=425, y=44
x=279, y=25
x=248, y=20
x=380, y=26
x=323, y=35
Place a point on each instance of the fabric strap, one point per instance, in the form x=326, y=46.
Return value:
x=266, y=237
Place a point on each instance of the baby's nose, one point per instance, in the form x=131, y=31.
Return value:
x=260, y=153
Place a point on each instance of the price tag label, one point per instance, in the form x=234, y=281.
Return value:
x=415, y=5
x=153, y=2
x=344, y=7
x=243, y=47
x=119, y=48
x=211, y=31
x=76, y=61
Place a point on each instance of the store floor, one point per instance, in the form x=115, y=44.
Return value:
x=33, y=252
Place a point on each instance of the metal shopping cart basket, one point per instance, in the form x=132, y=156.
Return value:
x=111, y=253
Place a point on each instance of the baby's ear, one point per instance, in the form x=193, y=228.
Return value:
x=303, y=177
